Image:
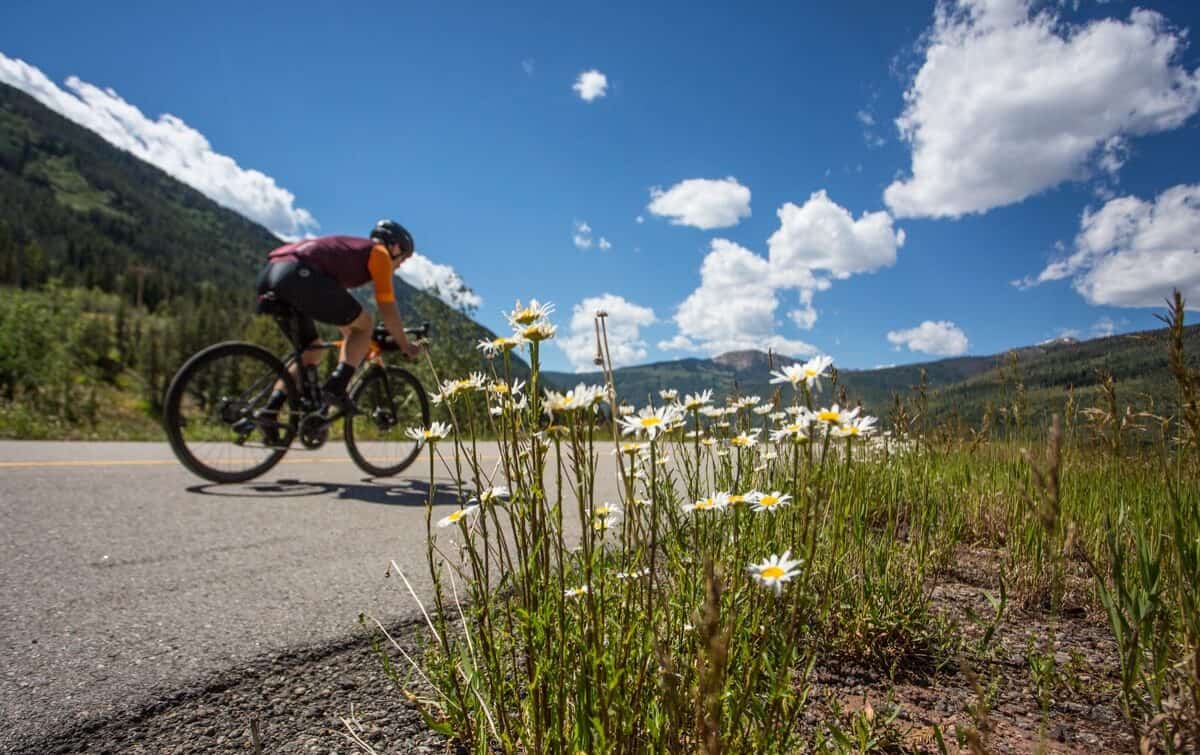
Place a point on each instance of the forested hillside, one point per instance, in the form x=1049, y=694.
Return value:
x=112, y=273
x=1033, y=379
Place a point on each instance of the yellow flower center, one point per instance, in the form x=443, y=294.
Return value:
x=794, y=428
x=651, y=421
x=735, y=499
x=772, y=572
x=457, y=515
x=828, y=416
x=852, y=429
x=706, y=504
x=810, y=373
x=768, y=501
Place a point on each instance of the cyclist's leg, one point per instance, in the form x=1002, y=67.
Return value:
x=297, y=327
x=320, y=297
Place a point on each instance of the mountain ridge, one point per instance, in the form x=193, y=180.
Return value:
x=962, y=385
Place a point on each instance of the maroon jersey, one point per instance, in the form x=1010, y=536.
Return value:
x=343, y=258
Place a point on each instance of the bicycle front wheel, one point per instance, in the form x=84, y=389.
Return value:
x=212, y=412
x=389, y=400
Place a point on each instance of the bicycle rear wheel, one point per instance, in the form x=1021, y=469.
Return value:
x=210, y=407
x=389, y=401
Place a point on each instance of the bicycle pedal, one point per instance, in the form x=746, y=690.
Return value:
x=342, y=403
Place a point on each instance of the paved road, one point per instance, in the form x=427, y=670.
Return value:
x=124, y=577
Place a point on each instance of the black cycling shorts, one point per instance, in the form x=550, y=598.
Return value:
x=313, y=294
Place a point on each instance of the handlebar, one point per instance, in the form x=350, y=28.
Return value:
x=384, y=339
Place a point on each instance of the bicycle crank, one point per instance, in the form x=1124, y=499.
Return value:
x=314, y=430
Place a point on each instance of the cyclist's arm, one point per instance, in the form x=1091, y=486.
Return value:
x=380, y=266
x=390, y=314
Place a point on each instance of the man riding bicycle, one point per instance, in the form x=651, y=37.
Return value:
x=313, y=277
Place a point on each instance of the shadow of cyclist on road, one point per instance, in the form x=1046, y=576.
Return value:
x=398, y=493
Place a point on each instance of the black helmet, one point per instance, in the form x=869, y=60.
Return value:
x=391, y=232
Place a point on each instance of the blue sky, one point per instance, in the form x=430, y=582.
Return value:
x=1045, y=181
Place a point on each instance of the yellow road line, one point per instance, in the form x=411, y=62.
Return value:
x=134, y=463
x=160, y=462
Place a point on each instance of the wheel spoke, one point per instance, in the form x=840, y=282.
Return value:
x=214, y=413
x=387, y=407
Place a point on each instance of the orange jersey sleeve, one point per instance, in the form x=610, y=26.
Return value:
x=379, y=263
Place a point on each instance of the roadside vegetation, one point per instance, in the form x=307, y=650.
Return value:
x=83, y=364
x=780, y=576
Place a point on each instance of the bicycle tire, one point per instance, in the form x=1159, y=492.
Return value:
x=384, y=422
x=188, y=388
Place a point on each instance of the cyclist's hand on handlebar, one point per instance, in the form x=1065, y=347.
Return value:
x=410, y=350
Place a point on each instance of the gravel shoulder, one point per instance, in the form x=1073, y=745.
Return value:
x=297, y=700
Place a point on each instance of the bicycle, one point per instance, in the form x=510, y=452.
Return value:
x=216, y=429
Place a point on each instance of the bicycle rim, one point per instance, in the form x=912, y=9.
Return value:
x=210, y=413
x=389, y=401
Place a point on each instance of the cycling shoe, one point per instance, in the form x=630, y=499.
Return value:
x=341, y=402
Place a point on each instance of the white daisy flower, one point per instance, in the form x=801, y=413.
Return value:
x=669, y=394
x=631, y=447
x=738, y=499
x=809, y=373
x=575, y=592
x=770, y=501
x=775, y=571
x=715, y=502
x=650, y=421
x=501, y=388
x=607, y=510
x=696, y=401
x=494, y=493
x=452, y=388
x=644, y=571
x=858, y=427
x=521, y=317
x=745, y=440
x=432, y=434
x=457, y=516
x=763, y=410
x=538, y=331
x=499, y=345
x=836, y=416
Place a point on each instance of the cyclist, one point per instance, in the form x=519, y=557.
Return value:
x=313, y=275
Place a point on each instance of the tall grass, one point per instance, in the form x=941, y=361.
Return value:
x=749, y=545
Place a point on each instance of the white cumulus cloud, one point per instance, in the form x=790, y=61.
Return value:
x=1009, y=103
x=822, y=235
x=168, y=143
x=591, y=85
x=942, y=338
x=1132, y=252
x=734, y=307
x=702, y=203
x=623, y=325
x=441, y=280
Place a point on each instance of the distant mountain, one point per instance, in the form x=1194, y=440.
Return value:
x=961, y=385
x=77, y=209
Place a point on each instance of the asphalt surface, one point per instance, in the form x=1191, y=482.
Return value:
x=125, y=577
